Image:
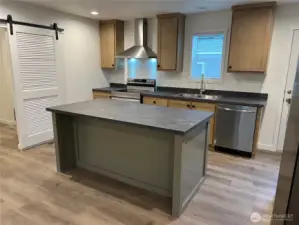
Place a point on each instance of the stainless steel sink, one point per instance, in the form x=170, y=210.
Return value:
x=209, y=97
x=199, y=96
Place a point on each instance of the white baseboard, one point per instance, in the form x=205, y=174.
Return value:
x=10, y=123
x=266, y=147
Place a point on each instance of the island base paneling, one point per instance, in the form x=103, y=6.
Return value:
x=131, y=154
x=158, y=161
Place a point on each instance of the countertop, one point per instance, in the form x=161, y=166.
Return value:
x=225, y=97
x=246, y=101
x=178, y=121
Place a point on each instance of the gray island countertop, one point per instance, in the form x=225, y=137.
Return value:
x=179, y=121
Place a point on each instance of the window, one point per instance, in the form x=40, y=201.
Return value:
x=207, y=56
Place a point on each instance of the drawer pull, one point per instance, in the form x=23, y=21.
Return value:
x=154, y=102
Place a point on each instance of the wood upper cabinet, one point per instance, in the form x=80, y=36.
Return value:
x=111, y=42
x=251, y=34
x=171, y=31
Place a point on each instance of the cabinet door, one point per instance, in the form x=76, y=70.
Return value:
x=209, y=108
x=155, y=101
x=107, y=39
x=250, y=39
x=179, y=104
x=167, y=43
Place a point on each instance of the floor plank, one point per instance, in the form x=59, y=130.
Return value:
x=31, y=192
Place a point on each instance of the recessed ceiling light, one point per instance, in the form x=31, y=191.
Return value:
x=94, y=13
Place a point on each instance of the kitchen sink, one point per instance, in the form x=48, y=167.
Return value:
x=209, y=97
x=199, y=96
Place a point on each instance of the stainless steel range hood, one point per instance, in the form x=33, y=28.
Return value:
x=140, y=50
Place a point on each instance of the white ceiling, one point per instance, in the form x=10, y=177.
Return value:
x=128, y=9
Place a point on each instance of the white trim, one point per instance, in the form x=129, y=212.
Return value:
x=266, y=147
x=8, y=122
x=278, y=126
x=3, y=25
x=224, y=56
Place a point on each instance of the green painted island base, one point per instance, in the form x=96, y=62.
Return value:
x=155, y=160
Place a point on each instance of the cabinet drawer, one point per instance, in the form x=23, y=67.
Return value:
x=155, y=101
x=98, y=94
x=179, y=104
x=204, y=106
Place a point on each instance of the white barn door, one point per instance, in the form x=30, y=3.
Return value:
x=37, y=82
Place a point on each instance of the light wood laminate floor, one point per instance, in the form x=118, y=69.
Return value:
x=32, y=193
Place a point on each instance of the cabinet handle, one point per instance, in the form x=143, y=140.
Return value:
x=154, y=102
x=230, y=67
x=193, y=106
x=158, y=66
x=188, y=106
x=112, y=65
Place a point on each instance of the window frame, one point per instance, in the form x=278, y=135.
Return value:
x=224, y=56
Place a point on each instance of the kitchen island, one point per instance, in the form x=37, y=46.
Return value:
x=159, y=149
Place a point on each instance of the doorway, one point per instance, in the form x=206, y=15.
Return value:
x=288, y=89
x=37, y=81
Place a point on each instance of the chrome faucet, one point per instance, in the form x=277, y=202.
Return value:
x=202, y=84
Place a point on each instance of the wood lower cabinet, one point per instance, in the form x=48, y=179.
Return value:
x=198, y=106
x=257, y=130
x=100, y=94
x=209, y=108
x=180, y=104
x=155, y=101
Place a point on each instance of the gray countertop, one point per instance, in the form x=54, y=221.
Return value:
x=179, y=121
x=234, y=99
x=246, y=101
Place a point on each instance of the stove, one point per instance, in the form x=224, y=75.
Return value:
x=134, y=89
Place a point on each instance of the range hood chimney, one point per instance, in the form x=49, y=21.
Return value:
x=140, y=50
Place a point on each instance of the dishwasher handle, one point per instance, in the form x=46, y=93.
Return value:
x=237, y=110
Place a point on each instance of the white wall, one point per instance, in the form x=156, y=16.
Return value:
x=6, y=88
x=286, y=19
x=80, y=53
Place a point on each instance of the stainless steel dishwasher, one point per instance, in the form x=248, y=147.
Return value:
x=235, y=126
